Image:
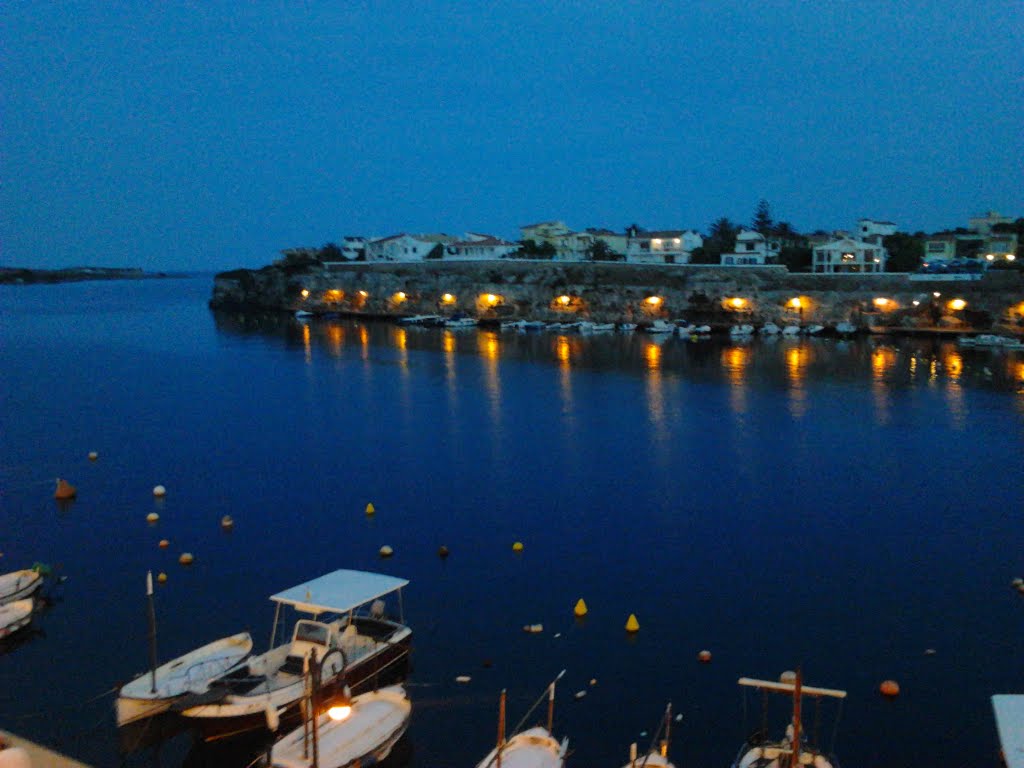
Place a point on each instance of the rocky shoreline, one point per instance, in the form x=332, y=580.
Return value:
x=26, y=276
x=609, y=292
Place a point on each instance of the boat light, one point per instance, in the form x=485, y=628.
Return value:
x=339, y=713
x=448, y=298
x=653, y=300
x=957, y=304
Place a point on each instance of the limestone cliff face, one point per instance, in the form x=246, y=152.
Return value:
x=611, y=292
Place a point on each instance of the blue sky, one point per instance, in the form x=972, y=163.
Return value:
x=210, y=135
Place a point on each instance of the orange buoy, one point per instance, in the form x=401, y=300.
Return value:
x=162, y=577
x=186, y=558
x=889, y=689
x=164, y=543
x=704, y=657
x=65, y=490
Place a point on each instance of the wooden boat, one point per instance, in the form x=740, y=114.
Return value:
x=793, y=749
x=657, y=755
x=15, y=615
x=151, y=693
x=349, y=632
x=533, y=748
x=18, y=585
x=359, y=733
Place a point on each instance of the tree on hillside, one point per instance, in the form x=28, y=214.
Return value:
x=796, y=258
x=762, y=221
x=906, y=252
x=721, y=239
x=530, y=249
x=599, y=250
x=330, y=252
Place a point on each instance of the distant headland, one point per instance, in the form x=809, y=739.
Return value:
x=25, y=276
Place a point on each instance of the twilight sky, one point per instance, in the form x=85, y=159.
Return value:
x=209, y=135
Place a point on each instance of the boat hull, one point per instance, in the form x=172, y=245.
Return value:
x=14, y=616
x=18, y=585
x=387, y=666
x=377, y=721
x=533, y=748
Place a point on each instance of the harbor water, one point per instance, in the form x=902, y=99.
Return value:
x=838, y=506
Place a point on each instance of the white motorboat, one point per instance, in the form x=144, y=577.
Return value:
x=791, y=330
x=153, y=692
x=659, y=326
x=532, y=748
x=741, y=331
x=588, y=326
x=814, y=330
x=460, y=322
x=360, y=733
x=770, y=329
x=990, y=341
x=846, y=329
x=626, y=327
x=418, y=319
x=15, y=615
x=356, y=644
x=18, y=585
x=302, y=314
x=794, y=749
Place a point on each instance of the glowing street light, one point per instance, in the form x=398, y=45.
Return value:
x=653, y=300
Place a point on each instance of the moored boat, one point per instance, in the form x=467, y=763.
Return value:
x=659, y=326
x=18, y=585
x=532, y=748
x=418, y=319
x=361, y=732
x=153, y=692
x=793, y=749
x=15, y=615
x=657, y=755
x=357, y=645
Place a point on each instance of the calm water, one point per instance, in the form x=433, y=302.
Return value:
x=840, y=506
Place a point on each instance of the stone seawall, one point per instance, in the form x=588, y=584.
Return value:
x=611, y=292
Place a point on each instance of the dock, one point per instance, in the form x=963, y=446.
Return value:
x=40, y=757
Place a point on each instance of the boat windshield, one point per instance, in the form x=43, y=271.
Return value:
x=311, y=632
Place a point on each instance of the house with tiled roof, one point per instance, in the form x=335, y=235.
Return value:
x=752, y=249
x=665, y=246
x=849, y=255
x=475, y=246
x=405, y=247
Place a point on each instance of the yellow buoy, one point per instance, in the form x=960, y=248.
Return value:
x=162, y=577
x=517, y=547
x=93, y=455
x=386, y=551
x=581, y=608
x=65, y=490
x=632, y=625
x=226, y=522
x=370, y=508
x=186, y=558
x=159, y=491
x=164, y=543
x=152, y=517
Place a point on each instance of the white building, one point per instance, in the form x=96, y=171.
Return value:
x=405, y=247
x=871, y=231
x=479, y=247
x=849, y=255
x=983, y=224
x=669, y=246
x=752, y=249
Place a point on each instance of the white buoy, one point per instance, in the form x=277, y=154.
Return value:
x=463, y=679
x=386, y=551
x=159, y=491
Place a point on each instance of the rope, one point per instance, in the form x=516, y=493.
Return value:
x=68, y=708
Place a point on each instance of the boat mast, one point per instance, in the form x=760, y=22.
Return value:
x=668, y=727
x=794, y=758
x=152, y=631
x=501, y=728
x=551, y=704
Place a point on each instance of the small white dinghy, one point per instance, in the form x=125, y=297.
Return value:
x=532, y=748
x=151, y=693
x=18, y=585
x=361, y=733
x=14, y=616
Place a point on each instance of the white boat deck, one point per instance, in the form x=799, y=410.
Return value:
x=1009, y=710
x=339, y=591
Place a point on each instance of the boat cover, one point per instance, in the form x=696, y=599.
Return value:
x=339, y=591
x=1010, y=722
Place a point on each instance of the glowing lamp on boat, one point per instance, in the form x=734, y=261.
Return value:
x=448, y=298
x=957, y=304
x=653, y=300
x=339, y=712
